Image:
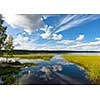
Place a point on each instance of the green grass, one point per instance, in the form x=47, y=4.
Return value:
x=28, y=64
x=33, y=56
x=9, y=70
x=17, y=63
x=90, y=63
x=7, y=74
x=8, y=80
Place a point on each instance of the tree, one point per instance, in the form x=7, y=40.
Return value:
x=9, y=46
x=2, y=34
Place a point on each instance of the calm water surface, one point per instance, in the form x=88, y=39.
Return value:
x=57, y=70
x=67, y=70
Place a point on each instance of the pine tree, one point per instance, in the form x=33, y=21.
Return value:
x=2, y=34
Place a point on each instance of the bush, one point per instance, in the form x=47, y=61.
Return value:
x=8, y=79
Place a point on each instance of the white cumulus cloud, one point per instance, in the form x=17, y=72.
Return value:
x=80, y=38
x=45, y=35
x=95, y=45
x=47, y=32
x=97, y=39
x=57, y=36
x=49, y=35
x=29, y=22
x=65, y=41
x=21, y=42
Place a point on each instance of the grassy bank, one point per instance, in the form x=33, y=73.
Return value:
x=90, y=63
x=7, y=74
x=33, y=56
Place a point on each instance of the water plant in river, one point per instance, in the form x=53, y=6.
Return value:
x=90, y=63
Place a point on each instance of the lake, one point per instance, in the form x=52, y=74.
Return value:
x=87, y=54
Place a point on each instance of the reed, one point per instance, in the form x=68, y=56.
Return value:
x=90, y=63
x=33, y=56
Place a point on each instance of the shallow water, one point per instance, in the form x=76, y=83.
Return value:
x=74, y=72
x=56, y=70
x=21, y=60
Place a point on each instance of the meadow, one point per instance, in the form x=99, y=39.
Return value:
x=32, y=56
x=90, y=63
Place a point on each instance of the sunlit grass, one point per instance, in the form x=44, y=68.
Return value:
x=90, y=63
x=33, y=56
x=28, y=64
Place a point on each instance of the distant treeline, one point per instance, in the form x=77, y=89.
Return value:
x=47, y=51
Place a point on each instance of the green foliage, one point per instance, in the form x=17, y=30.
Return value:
x=9, y=70
x=7, y=74
x=9, y=47
x=8, y=80
x=2, y=33
x=28, y=64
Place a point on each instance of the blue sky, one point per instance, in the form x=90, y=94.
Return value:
x=54, y=32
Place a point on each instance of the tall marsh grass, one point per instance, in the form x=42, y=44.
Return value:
x=90, y=63
x=33, y=56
